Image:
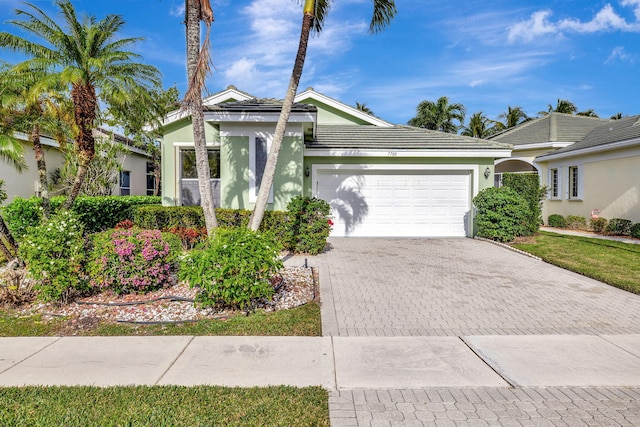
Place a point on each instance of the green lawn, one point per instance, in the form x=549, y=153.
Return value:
x=163, y=406
x=615, y=263
x=299, y=321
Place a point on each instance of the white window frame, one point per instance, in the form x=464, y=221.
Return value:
x=558, y=184
x=253, y=189
x=578, y=182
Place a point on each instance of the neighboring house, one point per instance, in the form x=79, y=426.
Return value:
x=540, y=136
x=600, y=172
x=380, y=179
x=136, y=177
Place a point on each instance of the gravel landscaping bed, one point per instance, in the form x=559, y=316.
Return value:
x=174, y=304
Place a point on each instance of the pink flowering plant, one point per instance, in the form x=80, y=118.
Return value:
x=133, y=260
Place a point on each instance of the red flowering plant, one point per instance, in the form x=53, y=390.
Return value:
x=189, y=236
x=131, y=260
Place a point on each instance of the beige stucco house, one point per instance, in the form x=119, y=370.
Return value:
x=600, y=173
x=135, y=178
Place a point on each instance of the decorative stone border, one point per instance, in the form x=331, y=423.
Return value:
x=511, y=248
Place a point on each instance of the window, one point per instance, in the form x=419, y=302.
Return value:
x=189, y=170
x=574, y=189
x=553, y=183
x=151, y=179
x=125, y=183
x=258, y=153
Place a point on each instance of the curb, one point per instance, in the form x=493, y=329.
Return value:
x=511, y=248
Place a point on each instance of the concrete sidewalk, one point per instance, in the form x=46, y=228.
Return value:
x=336, y=363
x=629, y=240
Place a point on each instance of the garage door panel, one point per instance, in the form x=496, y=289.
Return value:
x=396, y=203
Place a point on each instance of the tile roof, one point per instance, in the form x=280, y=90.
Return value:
x=554, y=127
x=259, y=104
x=611, y=132
x=395, y=137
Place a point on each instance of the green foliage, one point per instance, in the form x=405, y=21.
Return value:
x=233, y=267
x=618, y=227
x=556, y=220
x=576, y=222
x=598, y=224
x=172, y=218
x=96, y=213
x=635, y=231
x=502, y=214
x=309, y=225
x=128, y=260
x=54, y=253
x=528, y=186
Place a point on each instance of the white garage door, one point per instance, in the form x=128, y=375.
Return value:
x=396, y=203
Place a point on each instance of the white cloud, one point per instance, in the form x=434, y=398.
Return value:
x=606, y=19
x=618, y=53
x=177, y=10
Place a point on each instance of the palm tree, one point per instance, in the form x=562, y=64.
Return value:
x=511, y=118
x=313, y=15
x=478, y=126
x=36, y=108
x=363, y=107
x=587, y=113
x=563, y=106
x=439, y=115
x=198, y=66
x=86, y=56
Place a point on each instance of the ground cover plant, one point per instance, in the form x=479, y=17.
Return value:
x=163, y=406
x=611, y=262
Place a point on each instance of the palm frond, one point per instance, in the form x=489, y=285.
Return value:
x=383, y=13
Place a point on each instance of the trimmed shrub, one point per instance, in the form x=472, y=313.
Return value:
x=501, y=214
x=129, y=260
x=309, y=225
x=96, y=213
x=528, y=186
x=232, y=267
x=635, y=230
x=576, y=222
x=169, y=218
x=557, y=221
x=618, y=227
x=54, y=253
x=598, y=224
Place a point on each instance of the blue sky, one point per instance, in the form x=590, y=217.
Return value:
x=485, y=55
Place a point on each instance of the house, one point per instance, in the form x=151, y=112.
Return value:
x=135, y=177
x=540, y=136
x=380, y=179
x=599, y=174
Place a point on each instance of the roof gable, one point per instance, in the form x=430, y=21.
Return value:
x=609, y=136
x=554, y=127
x=337, y=108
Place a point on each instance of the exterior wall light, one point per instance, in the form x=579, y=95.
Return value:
x=487, y=172
x=306, y=172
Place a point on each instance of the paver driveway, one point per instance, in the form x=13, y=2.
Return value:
x=404, y=287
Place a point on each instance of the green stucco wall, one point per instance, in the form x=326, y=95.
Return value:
x=180, y=131
x=234, y=173
x=331, y=116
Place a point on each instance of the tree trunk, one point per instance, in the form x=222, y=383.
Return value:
x=42, y=170
x=84, y=105
x=5, y=251
x=276, y=144
x=197, y=119
x=10, y=242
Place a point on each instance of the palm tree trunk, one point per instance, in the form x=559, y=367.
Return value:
x=5, y=251
x=197, y=118
x=84, y=105
x=276, y=144
x=42, y=170
x=10, y=243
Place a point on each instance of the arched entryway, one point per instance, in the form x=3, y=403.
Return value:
x=512, y=166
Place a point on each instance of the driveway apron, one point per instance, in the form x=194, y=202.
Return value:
x=457, y=287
